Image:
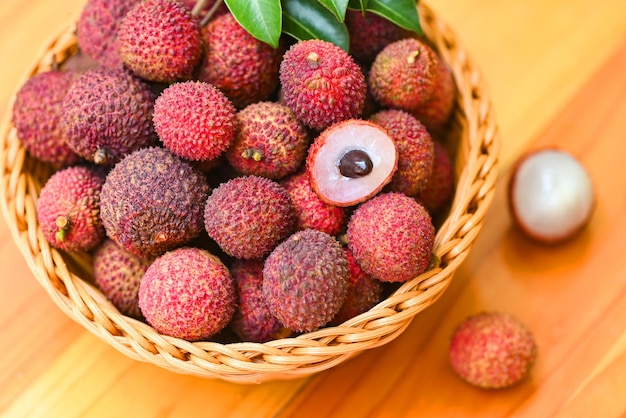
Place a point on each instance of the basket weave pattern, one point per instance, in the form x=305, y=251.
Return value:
x=68, y=280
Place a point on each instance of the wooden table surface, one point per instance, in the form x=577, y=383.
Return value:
x=557, y=75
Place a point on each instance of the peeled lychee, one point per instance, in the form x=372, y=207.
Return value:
x=415, y=150
x=248, y=216
x=153, y=201
x=440, y=185
x=311, y=211
x=363, y=292
x=253, y=320
x=68, y=209
x=351, y=161
x=551, y=195
x=492, y=350
x=305, y=280
x=391, y=237
x=370, y=33
x=188, y=293
x=160, y=40
x=243, y=67
x=117, y=274
x=37, y=117
x=96, y=29
x=107, y=114
x=194, y=120
x=269, y=141
x=321, y=83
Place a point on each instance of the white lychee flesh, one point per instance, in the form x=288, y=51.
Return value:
x=551, y=195
x=335, y=188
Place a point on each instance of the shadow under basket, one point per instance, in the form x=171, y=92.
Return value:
x=473, y=141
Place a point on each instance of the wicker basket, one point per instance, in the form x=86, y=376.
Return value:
x=68, y=279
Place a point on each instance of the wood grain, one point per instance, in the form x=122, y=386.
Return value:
x=557, y=73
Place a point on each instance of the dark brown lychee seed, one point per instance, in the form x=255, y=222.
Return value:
x=355, y=163
x=153, y=201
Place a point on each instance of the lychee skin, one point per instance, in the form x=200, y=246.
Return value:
x=404, y=75
x=243, y=67
x=311, y=211
x=107, y=114
x=188, y=293
x=117, y=274
x=363, y=292
x=194, y=120
x=160, y=40
x=68, y=209
x=415, y=150
x=440, y=186
x=436, y=111
x=269, y=141
x=37, y=117
x=248, y=216
x=391, y=237
x=305, y=280
x=321, y=83
x=253, y=320
x=96, y=29
x=370, y=33
x=153, y=201
x=492, y=350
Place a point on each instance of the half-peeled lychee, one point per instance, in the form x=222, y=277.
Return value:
x=351, y=161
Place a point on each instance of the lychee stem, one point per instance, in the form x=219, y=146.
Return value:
x=63, y=223
x=413, y=56
x=255, y=154
x=313, y=58
x=198, y=7
x=210, y=13
x=101, y=156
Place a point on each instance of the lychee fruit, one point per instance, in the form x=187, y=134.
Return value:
x=364, y=292
x=391, y=237
x=248, y=216
x=415, y=150
x=436, y=111
x=440, y=185
x=37, y=117
x=160, y=40
x=311, y=211
x=351, y=161
x=153, y=201
x=370, y=33
x=107, y=114
x=194, y=120
x=187, y=293
x=117, y=273
x=404, y=74
x=68, y=209
x=96, y=29
x=492, y=350
x=253, y=320
x=551, y=195
x=269, y=141
x=321, y=83
x=243, y=67
x=305, y=280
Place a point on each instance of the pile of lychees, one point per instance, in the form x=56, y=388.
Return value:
x=222, y=184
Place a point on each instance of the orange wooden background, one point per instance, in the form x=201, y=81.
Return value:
x=557, y=73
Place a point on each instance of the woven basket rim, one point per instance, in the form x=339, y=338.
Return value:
x=60, y=273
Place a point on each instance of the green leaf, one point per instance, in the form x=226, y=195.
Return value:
x=336, y=7
x=358, y=5
x=401, y=12
x=261, y=18
x=310, y=20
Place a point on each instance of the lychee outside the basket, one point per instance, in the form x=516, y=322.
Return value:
x=194, y=120
x=391, y=237
x=68, y=209
x=187, y=293
x=117, y=274
x=153, y=201
x=351, y=161
x=107, y=114
x=248, y=216
x=37, y=113
x=243, y=67
x=492, y=350
x=269, y=141
x=305, y=280
x=160, y=40
x=321, y=83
